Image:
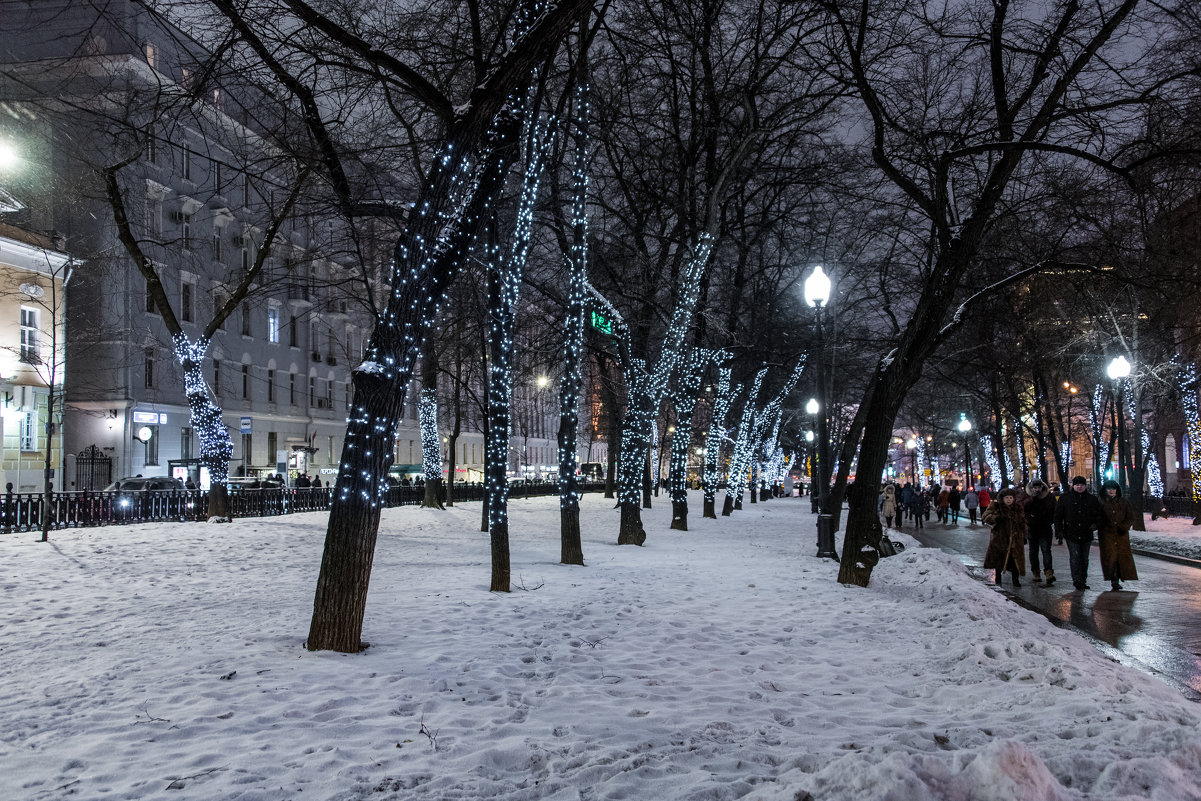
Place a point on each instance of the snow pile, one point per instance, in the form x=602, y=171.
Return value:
x=725, y=662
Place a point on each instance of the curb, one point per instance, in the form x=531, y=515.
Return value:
x=1168, y=557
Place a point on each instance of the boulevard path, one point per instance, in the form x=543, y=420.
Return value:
x=1153, y=624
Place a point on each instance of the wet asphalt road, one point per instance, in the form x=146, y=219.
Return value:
x=1153, y=624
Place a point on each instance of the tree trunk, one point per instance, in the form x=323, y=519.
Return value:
x=571, y=550
x=727, y=507
x=648, y=478
x=431, y=447
x=631, y=531
x=864, y=544
x=679, y=515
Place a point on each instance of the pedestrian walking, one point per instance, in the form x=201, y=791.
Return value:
x=971, y=502
x=888, y=503
x=953, y=500
x=985, y=499
x=1077, y=514
x=1007, y=541
x=920, y=509
x=907, y=494
x=1113, y=538
x=944, y=501
x=1039, y=506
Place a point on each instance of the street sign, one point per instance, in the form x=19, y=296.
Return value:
x=245, y=425
x=601, y=323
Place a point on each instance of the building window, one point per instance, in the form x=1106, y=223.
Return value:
x=185, y=303
x=246, y=190
x=29, y=430
x=151, y=306
x=246, y=382
x=245, y=260
x=151, y=55
x=152, y=446
x=246, y=449
x=293, y=332
x=272, y=446
x=185, y=166
x=149, y=362
x=217, y=177
x=186, y=234
x=185, y=443
x=312, y=390
x=273, y=325
x=216, y=376
x=329, y=393
x=217, y=244
x=329, y=459
x=292, y=388
x=246, y=319
x=270, y=388
x=151, y=145
x=29, y=336
x=219, y=301
x=154, y=217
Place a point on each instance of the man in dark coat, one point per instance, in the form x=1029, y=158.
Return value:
x=1077, y=514
x=1040, y=521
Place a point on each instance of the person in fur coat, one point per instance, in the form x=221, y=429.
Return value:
x=1007, y=542
x=888, y=504
x=1117, y=562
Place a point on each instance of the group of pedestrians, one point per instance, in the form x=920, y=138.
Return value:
x=914, y=503
x=1026, y=520
x=1034, y=516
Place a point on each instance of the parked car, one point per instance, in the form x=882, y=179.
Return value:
x=139, y=483
x=136, y=491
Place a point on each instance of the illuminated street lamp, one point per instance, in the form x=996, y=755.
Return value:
x=965, y=426
x=8, y=155
x=817, y=295
x=1117, y=370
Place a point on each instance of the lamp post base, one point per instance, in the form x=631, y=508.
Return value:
x=825, y=537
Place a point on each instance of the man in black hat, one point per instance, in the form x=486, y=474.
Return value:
x=1077, y=514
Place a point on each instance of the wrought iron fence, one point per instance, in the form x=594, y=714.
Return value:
x=1175, y=506
x=26, y=511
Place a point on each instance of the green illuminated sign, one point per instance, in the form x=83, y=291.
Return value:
x=602, y=323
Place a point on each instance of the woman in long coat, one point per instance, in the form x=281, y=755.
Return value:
x=1117, y=562
x=1007, y=542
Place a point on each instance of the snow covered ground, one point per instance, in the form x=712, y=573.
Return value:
x=165, y=661
x=1174, y=535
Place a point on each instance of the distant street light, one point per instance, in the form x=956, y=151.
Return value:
x=965, y=426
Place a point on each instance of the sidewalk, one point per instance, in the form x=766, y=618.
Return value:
x=1153, y=623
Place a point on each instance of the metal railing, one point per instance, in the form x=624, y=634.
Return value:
x=26, y=511
x=1176, y=506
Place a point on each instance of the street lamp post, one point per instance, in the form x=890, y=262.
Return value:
x=813, y=407
x=965, y=426
x=911, y=445
x=1118, y=370
x=817, y=294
